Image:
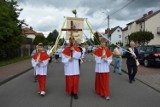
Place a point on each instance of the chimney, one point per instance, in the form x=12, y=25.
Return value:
x=31, y=28
x=150, y=12
x=144, y=15
x=106, y=31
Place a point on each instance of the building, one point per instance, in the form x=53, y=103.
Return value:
x=114, y=34
x=30, y=33
x=149, y=22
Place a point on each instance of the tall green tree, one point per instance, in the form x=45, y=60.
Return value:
x=141, y=37
x=96, y=39
x=61, y=41
x=52, y=36
x=39, y=39
x=10, y=26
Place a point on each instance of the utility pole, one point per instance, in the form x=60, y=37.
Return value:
x=108, y=26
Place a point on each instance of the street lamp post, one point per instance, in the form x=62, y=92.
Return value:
x=108, y=19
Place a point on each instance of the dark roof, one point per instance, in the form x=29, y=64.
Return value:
x=130, y=23
x=145, y=17
x=124, y=29
x=100, y=34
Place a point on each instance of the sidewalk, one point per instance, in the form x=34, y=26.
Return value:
x=8, y=72
x=147, y=75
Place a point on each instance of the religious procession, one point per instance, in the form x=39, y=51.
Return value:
x=79, y=53
x=72, y=55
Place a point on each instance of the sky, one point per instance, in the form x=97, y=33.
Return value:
x=46, y=15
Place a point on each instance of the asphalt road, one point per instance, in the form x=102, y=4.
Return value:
x=22, y=91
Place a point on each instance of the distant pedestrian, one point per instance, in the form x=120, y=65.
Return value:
x=118, y=52
x=103, y=58
x=83, y=52
x=32, y=54
x=132, y=62
x=57, y=54
x=48, y=52
x=40, y=62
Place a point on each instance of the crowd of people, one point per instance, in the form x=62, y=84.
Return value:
x=72, y=55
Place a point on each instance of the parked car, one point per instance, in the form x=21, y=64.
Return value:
x=149, y=55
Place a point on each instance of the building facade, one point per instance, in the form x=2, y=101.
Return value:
x=148, y=22
x=114, y=34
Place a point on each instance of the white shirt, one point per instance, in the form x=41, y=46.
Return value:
x=101, y=65
x=42, y=70
x=71, y=67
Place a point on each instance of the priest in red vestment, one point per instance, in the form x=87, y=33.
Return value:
x=70, y=57
x=103, y=58
x=39, y=62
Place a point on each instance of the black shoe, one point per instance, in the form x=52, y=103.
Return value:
x=134, y=80
x=75, y=96
x=130, y=81
x=120, y=73
x=72, y=94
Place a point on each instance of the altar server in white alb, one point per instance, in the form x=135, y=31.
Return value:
x=70, y=57
x=103, y=58
x=39, y=62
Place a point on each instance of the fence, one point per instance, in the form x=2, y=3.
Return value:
x=25, y=50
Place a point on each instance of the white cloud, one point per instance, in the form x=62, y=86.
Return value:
x=47, y=15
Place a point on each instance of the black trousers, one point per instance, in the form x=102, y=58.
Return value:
x=132, y=70
x=50, y=60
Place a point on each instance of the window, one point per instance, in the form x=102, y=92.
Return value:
x=149, y=49
x=119, y=36
x=118, y=30
x=126, y=39
x=140, y=26
x=157, y=50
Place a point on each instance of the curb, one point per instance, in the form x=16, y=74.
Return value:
x=141, y=81
x=14, y=76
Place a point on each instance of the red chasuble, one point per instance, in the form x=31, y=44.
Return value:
x=42, y=56
x=100, y=51
x=67, y=50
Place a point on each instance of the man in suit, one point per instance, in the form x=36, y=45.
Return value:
x=132, y=56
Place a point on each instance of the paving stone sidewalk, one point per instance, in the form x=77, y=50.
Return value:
x=8, y=72
x=148, y=75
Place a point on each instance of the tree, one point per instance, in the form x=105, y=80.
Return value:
x=10, y=26
x=52, y=37
x=96, y=39
x=89, y=41
x=39, y=39
x=141, y=37
x=61, y=41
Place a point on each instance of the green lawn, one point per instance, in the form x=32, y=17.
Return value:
x=14, y=60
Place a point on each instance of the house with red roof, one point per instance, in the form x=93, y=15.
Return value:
x=149, y=22
x=30, y=33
